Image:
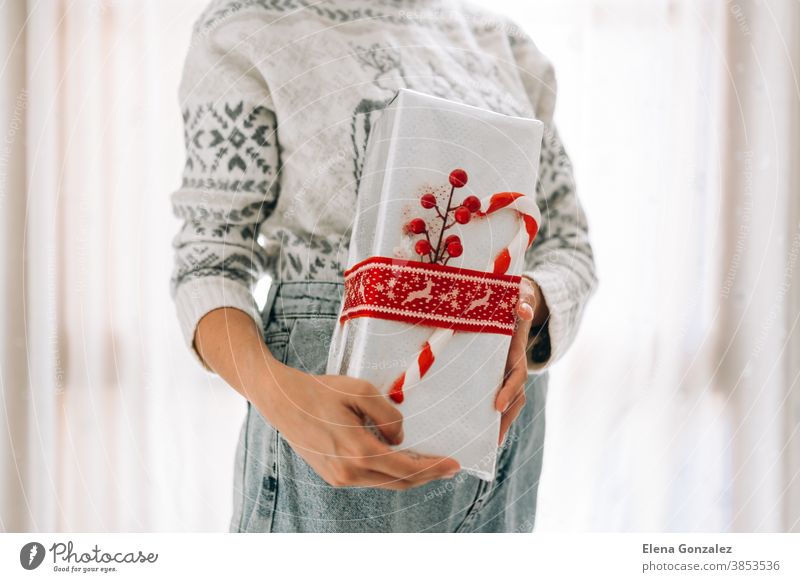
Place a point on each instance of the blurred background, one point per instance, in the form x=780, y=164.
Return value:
x=678, y=408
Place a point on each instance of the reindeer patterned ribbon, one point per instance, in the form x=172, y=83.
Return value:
x=432, y=295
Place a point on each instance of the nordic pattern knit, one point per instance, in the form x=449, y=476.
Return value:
x=278, y=98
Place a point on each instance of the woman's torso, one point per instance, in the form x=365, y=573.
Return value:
x=330, y=68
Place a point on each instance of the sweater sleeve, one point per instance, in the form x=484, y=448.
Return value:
x=560, y=260
x=229, y=183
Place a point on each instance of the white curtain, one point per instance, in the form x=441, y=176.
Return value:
x=116, y=429
x=14, y=101
x=677, y=408
x=673, y=410
x=758, y=339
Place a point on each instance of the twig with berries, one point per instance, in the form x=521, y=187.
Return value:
x=450, y=247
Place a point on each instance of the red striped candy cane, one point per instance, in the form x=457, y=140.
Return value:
x=512, y=254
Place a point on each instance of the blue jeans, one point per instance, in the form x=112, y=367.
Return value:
x=277, y=491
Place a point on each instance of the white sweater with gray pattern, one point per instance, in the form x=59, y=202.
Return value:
x=278, y=97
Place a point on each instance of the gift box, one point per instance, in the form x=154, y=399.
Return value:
x=446, y=209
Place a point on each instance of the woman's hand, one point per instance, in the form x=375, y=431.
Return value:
x=322, y=417
x=531, y=309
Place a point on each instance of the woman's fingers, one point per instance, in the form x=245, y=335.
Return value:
x=527, y=300
x=370, y=478
x=383, y=414
x=371, y=459
x=513, y=405
x=363, y=454
x=525, y=310
x=512, y=387
x=418, y=469
x=516, y=372
x=382, y=481
x=511, y=415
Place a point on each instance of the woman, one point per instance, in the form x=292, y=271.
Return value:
x=278, y=97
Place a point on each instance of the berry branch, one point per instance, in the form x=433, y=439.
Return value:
x=456, y=177
x=450, y=247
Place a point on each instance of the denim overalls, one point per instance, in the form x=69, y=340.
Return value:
x=277, y=491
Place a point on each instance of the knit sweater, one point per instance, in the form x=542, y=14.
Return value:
x=278, y=98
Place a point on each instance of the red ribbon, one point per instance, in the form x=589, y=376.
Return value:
x=431, y=295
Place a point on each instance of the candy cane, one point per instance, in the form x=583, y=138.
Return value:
x=528, y=213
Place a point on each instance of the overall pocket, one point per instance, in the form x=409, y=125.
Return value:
x=309, y=342
x=305, y=501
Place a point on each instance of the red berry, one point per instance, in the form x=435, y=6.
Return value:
x=454, y=249
x=458, y=178
x=423, y=247
x=428, y=200
x=462, y=215
x=472, y=203
x=417, y=226
x=453, y=238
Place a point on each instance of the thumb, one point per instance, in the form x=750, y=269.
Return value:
x=387, y=419
x=527, y=300
x=524, y=310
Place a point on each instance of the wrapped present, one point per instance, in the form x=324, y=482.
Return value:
x=446, y=209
